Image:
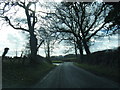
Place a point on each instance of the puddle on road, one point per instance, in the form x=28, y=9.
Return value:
x=57, y=64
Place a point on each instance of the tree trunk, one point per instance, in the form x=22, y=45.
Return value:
x=76, y=53
x=48, y=52
x=33, y=48
x=75, y=49
x=80, y=50
x=86, y=47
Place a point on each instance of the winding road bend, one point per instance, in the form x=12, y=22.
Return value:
x=67, y=75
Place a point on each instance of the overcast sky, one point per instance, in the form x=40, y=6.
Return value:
x=15, y=40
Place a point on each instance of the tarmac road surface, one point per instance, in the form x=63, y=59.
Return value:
x=67, y=75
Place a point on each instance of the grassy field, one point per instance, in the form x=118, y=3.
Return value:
x=57, y=61
x=17, y=75
x=108, y=72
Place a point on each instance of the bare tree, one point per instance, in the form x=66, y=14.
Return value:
x=25, y=23
x=83, y=20
x=70, y=42
x=49, y=40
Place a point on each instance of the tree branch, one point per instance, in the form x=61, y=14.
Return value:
x=40, y=44
x=95, y=32
x=18, y=28
x=96, y=17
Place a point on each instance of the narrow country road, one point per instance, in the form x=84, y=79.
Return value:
x=68, y=75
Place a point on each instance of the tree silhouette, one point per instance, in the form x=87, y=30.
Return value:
x=26, y=23
x=82, y=19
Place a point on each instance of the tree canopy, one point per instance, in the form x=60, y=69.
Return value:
x=75, y=21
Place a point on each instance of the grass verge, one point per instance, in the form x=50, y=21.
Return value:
x=16, y=75
x=108, y=72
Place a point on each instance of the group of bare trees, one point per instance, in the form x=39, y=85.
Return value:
x=82, y=20
x=75, y=21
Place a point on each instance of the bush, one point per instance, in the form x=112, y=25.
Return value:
x=106, y=57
